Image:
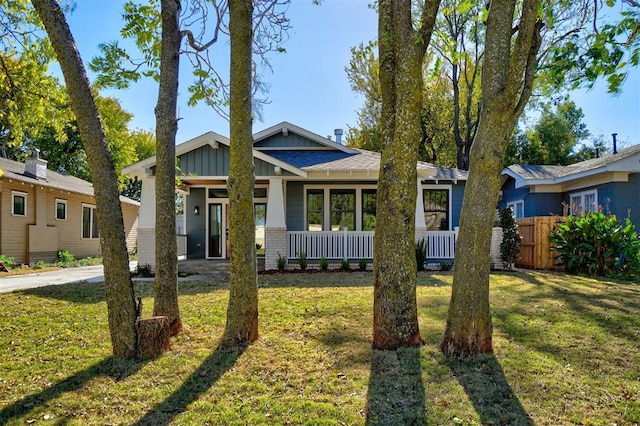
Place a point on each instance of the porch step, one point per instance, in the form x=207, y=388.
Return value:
x=216, y=267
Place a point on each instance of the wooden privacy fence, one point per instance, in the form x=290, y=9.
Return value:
x=535, y=247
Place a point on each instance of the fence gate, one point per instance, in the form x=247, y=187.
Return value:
x=535, y=247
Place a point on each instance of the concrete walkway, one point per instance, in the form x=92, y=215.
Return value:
x=92, y=274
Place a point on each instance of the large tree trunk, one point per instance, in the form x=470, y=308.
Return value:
x=506, y=88
x=166, y=274
x=242, y=312
x=401, y=51
x=119, y=289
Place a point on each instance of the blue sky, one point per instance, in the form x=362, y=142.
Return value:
x=309, y=86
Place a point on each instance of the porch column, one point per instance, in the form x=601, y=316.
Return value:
x=421, y=225
x=147, y=223
x=275, y=230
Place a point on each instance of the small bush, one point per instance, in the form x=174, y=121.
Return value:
x=38, y=265
x=258, y=246
x=65, y=258
x=345, y=265
x=421, y=254
x=324, y=263
x=144, y=270
x=281, y=262
x=510, y=245
x=446, y=266
x=596, y=244
x=302, y=261
x=362, y=264
x=8, y=262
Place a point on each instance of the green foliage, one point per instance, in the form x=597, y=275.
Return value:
x=302, y=260
x=7, y=261
x=596, y=244
x=39, y=264
x=362, y=264
x=446, y=266
x=345, y=264
x=324, y=263
x=281, y=262
x=510, y=245
x=64, y=258
x=421, y=254
x=144, y=270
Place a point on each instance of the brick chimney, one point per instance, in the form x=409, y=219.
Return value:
x=35, y=166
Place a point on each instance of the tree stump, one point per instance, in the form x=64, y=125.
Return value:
x=153, y=337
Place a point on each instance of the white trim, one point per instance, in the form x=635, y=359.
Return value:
x=326, y=206
x=448, y=188
x=66, y=209
x=13, y=203
x=92, y=217
x=514, y=207
x=582, y=195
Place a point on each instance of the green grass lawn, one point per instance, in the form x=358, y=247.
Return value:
x=567, y=351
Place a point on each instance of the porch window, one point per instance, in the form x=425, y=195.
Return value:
x=19, y=203
x=343, y=209
x=61, y=209
x=369, y=200
x=517, y=207
x=315, y=212
x=436, y=209
x=89, y=222
x=260, y=214
x=584, y=202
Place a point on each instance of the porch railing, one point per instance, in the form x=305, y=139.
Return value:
x=440, y=244
x=330, y=244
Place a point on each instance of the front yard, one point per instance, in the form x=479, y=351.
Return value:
x=566, y=352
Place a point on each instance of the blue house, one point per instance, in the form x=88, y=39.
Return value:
x=610, y=182
x=312, y=195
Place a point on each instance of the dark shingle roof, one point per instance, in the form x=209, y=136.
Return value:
x=16, y=170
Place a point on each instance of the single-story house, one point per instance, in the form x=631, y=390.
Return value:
x=312, y=195
x=43, y=212
x=610, y=182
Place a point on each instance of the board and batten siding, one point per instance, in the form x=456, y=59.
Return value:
x=208, y=161
x=196, y=225
x=292, y=140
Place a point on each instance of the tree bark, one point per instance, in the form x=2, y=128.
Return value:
x=242, y=311
x=119, y=289
x=401, y=52
x=506, y=88
x=166, y=273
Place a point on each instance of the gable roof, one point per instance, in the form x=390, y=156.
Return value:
x=285, y=127
x=15, y=170
x=625, y=160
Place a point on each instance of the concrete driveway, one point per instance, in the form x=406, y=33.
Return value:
x=93, y=274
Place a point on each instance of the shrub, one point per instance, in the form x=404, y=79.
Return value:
x=65, y=258
x=446, y=266
x=421, y=254
x=345, y=265
x=596, y=244
x=281, y=262
x=510, y=245
x=38, y=264
x=324, y=263
x=258, y=246
x=362, y=264
x=302, y=260
x=8, y=262
x=144, y=270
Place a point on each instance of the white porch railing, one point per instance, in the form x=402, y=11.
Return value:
x=330, y=244
x=440, y=244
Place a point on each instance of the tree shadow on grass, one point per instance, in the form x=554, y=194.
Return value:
x=116, y=368
x=486, y=386
x=205, y=376
x=396, y=394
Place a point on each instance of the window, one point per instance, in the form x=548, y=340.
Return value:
x=517, y=207
x=61, y=209
x=315, y=212
x=89, y=222
x=436, y=209
x=19, y=203
x=260, y=214
x=584, y=202
x=343, y=209
x=369, y=200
